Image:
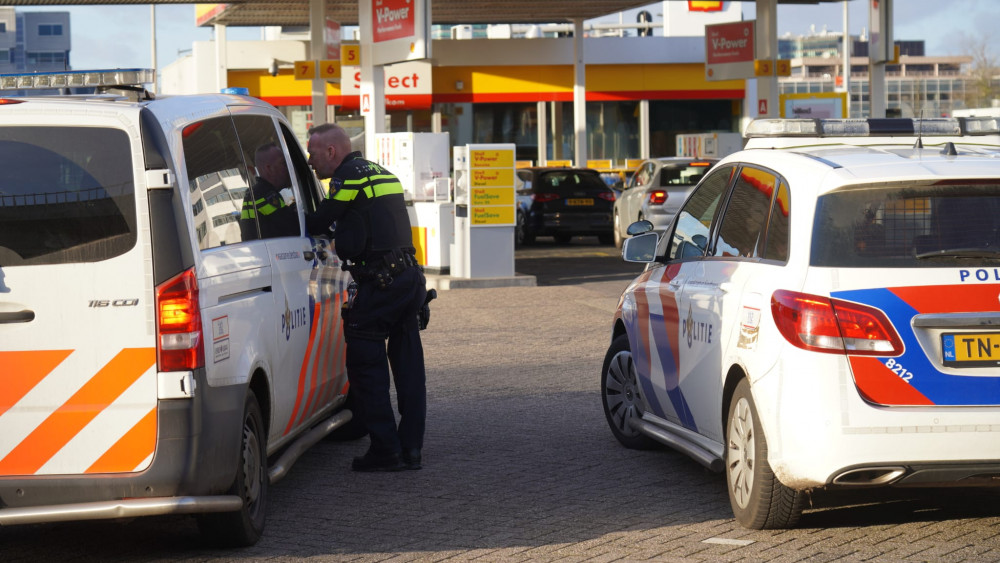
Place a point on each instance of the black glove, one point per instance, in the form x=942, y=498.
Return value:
x=424, y=315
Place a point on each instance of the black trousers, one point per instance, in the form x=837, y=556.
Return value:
x=381, y=331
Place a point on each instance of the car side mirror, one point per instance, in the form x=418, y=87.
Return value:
x=641, y=248
x=639, y=227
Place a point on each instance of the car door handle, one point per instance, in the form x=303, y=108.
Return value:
x=674, y=285
x=25, y=316
x=725, y=287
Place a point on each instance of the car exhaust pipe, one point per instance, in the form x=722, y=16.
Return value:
x=870, y=476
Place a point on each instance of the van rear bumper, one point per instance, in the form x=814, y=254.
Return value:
x=126, y=508
x=197, y=448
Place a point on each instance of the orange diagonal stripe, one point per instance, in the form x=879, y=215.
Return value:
x=305, y=368
x=60, y=427
x=21, y=371
x=129, y=451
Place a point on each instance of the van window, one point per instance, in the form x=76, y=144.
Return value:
x=265, y=211
x=218, y=180
x=66, y=195
x=311, y=191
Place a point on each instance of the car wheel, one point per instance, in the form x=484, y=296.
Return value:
x=562, y=238
x=520, y=231
x=619, y=239
x=758, y=499
x=245, y=526
x=621, y=397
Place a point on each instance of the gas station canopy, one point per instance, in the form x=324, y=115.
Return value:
x=296, y=12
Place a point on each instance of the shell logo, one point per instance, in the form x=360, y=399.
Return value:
x=704, y=6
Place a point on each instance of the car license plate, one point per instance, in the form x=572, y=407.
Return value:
x=971, y=349
x=580, y=201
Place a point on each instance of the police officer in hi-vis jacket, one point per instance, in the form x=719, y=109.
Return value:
x=372, y=236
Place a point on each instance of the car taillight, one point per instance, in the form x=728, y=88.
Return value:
x=824, y=324
x=6, y=101
x=657, y=197
x=542, y=198
x=610, y=196
x=178, y=324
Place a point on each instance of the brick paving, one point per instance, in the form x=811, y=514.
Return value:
x=520, y=466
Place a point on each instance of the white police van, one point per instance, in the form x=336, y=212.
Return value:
x=823, y=312
x=166, y=327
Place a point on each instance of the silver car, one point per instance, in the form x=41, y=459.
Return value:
x=656, y=191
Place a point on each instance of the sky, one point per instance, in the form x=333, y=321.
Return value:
x=120, y=36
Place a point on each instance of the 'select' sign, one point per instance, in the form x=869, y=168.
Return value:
x=729, y=42
x=393, y=19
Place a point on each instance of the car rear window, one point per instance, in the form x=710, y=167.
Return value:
x=682, y=175
x=908, y=227
x=572, y=180
x=66, y=195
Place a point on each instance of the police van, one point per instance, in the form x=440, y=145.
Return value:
x=823, y=312
x=170, y=338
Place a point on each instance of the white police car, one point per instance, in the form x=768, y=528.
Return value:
x=824, y=311
x=166, y=327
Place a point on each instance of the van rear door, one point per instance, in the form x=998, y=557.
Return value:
x=78, y=390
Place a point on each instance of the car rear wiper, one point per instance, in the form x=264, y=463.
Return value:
x=973, y=252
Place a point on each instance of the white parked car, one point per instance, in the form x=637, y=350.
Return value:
x=823, y=312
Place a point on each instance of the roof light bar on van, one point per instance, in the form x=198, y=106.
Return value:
x=870, y=127
x=974, y=126
x=76, y=79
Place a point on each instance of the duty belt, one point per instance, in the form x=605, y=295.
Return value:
x=383, y=269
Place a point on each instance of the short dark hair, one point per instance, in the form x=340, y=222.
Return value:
x=323, y=128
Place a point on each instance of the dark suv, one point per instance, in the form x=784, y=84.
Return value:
x=562, y=203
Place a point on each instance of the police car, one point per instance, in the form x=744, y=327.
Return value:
x=823, y=312
x=166, y=328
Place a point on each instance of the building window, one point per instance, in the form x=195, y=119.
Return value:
x=50, y=29
x=5, y=56
x=34, y=58
x=3, y=27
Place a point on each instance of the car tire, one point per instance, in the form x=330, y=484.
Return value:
x=759, y=500
x=244, y=527
x=621, y=397
x=521, y=231
x=619, y=239
x=562, y=238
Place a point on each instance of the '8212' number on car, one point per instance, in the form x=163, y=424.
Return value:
x=898, y=369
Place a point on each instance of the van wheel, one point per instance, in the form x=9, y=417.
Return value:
x=620, y=395
x=759, y=500
x=245, y=526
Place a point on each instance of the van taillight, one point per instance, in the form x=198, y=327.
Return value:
x=824, y=324
x=544, y=197
x=178, y=324
x=657, y=197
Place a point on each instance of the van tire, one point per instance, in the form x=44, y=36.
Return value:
x=244, y=527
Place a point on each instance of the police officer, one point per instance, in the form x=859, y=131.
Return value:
x=372, y=235
x=264, y=207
